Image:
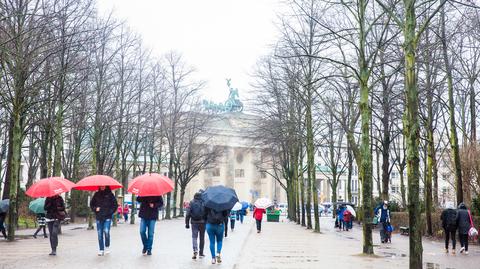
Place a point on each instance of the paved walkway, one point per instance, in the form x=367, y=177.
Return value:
x=78, y=249
x=280, y=245
x=286, y=245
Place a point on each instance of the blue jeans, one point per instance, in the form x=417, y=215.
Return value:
x=215, y=234
x=103, y=229
x=147, y=237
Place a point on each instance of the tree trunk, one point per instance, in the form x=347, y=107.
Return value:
x=312, y=181
x=8, y=172
x=451, y=108
x=412, y=135
x=182, y=197
x=302, y=197
x=17, y=132
x=349, y=173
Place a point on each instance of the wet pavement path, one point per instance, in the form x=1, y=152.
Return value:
x=286, y=245
x=279, y=246
x=78, y=249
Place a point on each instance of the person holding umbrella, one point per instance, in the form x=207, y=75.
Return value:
x=54, y=206
x=55, y=212
x=218, y=202
x=149, y=187
x=258, y=216
x=259, y=209
x=104, y=205
x=37, y=207
x=149, y=206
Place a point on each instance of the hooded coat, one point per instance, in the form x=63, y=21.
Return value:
x=107, y=203
x=197, y=199
x=463, y=219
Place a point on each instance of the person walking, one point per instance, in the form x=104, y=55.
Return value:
x=119, y=212
x=341, y=223
x=347, y=219
x=258, y=216
x=149, y=207
x=195, y=215
x=125, y=211
x=241, y=214
x=384, y=220
x=3, y=215
x=55, y=212
x=104, y=205
x=463, y=224
x=41, y=225
x=226, y=224
x=449, y=224
x=233, y=216
x=215, y=228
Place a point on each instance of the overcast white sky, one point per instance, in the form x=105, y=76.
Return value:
x=220, y=38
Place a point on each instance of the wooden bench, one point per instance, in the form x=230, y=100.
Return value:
x=404, y=230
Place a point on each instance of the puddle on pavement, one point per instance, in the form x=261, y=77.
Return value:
x=397, y=255
x=430, y=265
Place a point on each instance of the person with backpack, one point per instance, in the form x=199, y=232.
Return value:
x=195, y=215
x=464, y=224
x=449, y=225
x=258, y=216
x=215, y=228
x=104, y=205
x=41, y=225
x=383, y=215
x=149, y=207
x=55, y=213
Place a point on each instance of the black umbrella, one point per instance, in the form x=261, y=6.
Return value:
x=219, y=198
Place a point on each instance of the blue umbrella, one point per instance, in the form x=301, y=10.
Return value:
x=37, y=206
x=4, y=205
x=219, y=198
x=245, y=205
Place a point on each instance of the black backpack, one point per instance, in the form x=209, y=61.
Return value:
x=216, y=217
x=197, y=210
x=451, y=218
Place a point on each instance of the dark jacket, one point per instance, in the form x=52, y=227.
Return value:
x=3, y=215
x=448, y=217
x=107, y=203
x=147, y=212
x=463, y=219
x=384, y=215
x=197, y=198
x=209, y=215
x=53, y=205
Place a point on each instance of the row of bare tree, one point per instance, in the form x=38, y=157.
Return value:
x=348, y=81
x=80, y=94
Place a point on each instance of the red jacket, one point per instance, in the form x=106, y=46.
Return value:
x=347, y=216
x=258, y=213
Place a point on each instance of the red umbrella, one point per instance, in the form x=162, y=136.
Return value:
x=151, y=185
x=91, y=183
x=49, y=186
